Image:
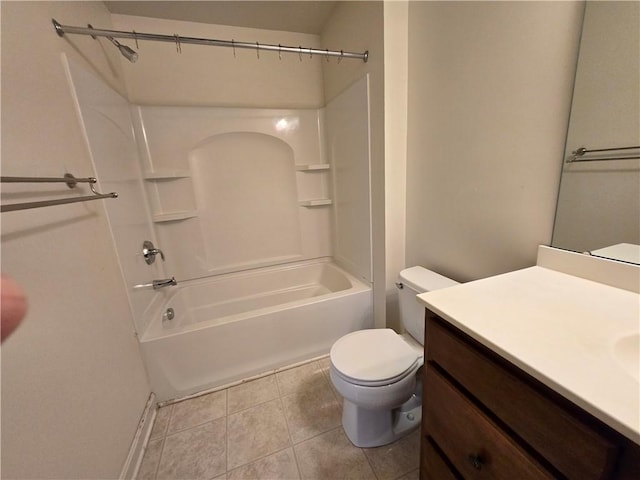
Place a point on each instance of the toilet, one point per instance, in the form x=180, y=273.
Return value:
x=375, y=369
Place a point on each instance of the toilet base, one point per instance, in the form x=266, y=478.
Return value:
x=373, y=428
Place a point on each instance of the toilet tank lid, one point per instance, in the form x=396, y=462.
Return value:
x=423, y=280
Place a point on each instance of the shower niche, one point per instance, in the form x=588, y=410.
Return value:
x=232, y=188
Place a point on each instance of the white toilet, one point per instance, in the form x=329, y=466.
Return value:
x=375, y=370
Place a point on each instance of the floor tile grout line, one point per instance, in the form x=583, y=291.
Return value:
x=318, y=367
x=155, y=471
x=226, y=433
x=263, y=457
x=167, y=433
x=407, y=473
x=295, y=459
x=226, y=446
x=338, y=401
x=290, y=437
x=273, y=371
x=182, y=430
x=290, y=445
x=259, y=403
x=318, y=434
x=286, y=422
x=166, y=428
x=326, y=385
x=164, y=438
x=373, y=469
x=327, y=375
x=279, y=399
x=280, y=396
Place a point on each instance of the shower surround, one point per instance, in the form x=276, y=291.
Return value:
x=247, y=187
x=263, y=216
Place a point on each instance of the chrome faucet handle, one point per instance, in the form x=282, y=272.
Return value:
x=149, y=252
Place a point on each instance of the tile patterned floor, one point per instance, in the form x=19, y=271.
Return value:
x=282, y=426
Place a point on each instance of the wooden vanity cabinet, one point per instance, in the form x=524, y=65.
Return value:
x=485, y=418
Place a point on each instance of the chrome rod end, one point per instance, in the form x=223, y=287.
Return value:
x=579, y=152
x=58, y=27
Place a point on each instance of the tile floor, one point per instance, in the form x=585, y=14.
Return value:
x=282, y=426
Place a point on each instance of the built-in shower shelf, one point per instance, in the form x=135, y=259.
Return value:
x=318, y=202
x=313, y=168
x=173, y=216
x=166, y=174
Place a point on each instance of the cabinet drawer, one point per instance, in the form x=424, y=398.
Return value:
x=470, y=440
x=571, y=446
x=433, y=467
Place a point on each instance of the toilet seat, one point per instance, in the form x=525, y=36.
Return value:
x=373, y=357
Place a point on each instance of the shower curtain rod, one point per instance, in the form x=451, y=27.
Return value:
x=178, y=40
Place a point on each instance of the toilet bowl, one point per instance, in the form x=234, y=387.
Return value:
x=377, y=370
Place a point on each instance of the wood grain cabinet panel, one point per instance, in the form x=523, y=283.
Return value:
x=433, y=466
x=488, y=419
x=472, y=442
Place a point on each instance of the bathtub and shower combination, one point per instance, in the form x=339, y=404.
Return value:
x=263, y=216
x=234, y=326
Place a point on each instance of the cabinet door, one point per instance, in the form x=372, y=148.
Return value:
x=576, y=450
x=471, y=441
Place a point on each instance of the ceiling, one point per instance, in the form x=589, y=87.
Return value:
x=290, y=16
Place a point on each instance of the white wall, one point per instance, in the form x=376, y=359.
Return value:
x=489, y=92
x=359, y=26
x=395, y=148
x=210, y=76
x=73, y=382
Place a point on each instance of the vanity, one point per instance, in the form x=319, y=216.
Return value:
x=534, y=374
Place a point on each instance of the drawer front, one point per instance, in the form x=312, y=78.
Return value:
x=471, y=441
x=575, y=449
x=432, y=466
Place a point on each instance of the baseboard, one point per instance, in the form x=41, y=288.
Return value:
x=140, y=440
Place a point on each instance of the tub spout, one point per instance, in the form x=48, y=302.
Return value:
x=165, y=282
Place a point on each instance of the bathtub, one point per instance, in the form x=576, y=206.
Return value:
x=231, y=327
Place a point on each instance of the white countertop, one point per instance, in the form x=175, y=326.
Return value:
x=563, y=330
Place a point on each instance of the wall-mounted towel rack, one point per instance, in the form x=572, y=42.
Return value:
x=71, y=182
x=179, y=40
x=578, y=154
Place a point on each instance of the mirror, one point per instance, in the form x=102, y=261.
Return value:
x=599, y=199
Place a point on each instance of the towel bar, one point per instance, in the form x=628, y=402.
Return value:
x=71, y=182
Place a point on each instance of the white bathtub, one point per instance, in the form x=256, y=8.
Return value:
x=230, y=327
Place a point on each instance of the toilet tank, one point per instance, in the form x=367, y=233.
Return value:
x=415, y=280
